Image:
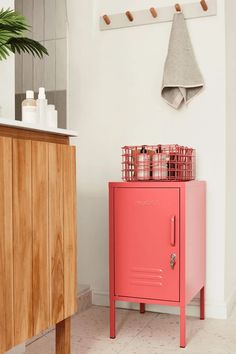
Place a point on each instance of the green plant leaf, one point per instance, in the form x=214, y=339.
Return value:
x=12, y=36
x=13, y=21
x=23, y=44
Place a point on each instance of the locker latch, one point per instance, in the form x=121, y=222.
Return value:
x=172, y=260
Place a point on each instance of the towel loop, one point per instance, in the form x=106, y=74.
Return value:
x=153, y=12
x=204, y=5
x=107, y=19
x=178, y=8
x=130, y=16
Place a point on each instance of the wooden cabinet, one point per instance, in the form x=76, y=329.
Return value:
x=157, y=245
x=6, y=247
x=37, y=236
x=40, y=227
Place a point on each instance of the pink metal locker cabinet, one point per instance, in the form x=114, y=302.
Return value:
x=157, y=245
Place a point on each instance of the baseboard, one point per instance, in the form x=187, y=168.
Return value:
x=217, y=311
x=84, y=298
x=231, y=301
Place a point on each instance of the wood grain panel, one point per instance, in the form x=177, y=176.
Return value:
x=56, y=233
x=22, y=240
x=70, y=244
x=6, y=247
x=63, y=337
x=21, y=133
x=41, y=272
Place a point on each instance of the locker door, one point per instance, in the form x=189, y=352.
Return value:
x=146, y=233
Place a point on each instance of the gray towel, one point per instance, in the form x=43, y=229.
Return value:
x=182, y=77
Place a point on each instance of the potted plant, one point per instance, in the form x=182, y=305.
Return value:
x=13, y=27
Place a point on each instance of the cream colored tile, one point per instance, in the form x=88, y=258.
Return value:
x=50, y=66
x=18, y=73
x=61, y=106
x=41, y=346
x=61, y=64
x=208, y=341
x=19, y=5
x=46, y=345
x=38, y=78
x=94, y=323
x=18, y=101
x=28, y=13
x=61, y=20
x=136, y=348
x=209, y=336
x=163, y=331
x=27, y=76
x=142, y=334
x=96, y=346
x=50, y=19
x=19, y=349
x=38, y=20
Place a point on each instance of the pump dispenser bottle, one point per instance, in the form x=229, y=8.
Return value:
x=42, y=106
x=143, y=165
x=159, y=165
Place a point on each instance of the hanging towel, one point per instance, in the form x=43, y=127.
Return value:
x=182, y=79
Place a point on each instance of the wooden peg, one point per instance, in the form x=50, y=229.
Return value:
x=178, y=7
x=204, y=5
x=153, y=12
x=130, y=16
x=107, y=19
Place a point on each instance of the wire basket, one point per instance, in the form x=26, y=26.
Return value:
x=158, y=163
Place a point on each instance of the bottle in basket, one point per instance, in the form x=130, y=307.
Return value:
x=159, y=164
x=143, y=165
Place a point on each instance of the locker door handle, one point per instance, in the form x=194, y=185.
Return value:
x=172, y=231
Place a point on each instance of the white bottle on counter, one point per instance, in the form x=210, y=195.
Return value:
x=52, y=116
x=29, y=108
x=143, y=165
x=42, y=103
x=159, y=165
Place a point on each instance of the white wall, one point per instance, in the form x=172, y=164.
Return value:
x=7, y=79
x=114, y=99
x=230, y=255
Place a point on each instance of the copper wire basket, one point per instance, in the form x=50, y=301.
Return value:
x=158, y=163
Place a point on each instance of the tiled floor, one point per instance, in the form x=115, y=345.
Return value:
x=150, y=333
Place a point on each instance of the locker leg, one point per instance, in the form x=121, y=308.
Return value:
x=112, y=319
x=182, y=327
x=142, y=308
x=202, y=303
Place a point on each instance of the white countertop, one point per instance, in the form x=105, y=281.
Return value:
x=21, y=125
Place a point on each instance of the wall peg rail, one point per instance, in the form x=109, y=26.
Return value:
x=154, y=15
x=178, y=8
